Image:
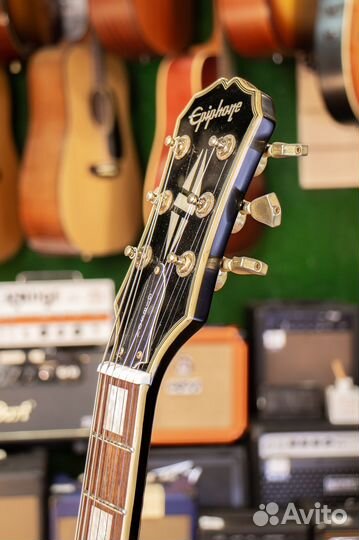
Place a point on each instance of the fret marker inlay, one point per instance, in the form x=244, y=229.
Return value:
x=100, y=524
x=116, y=409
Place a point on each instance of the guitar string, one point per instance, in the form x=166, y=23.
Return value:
x=146, y=239
x=168, y=271
x=179, y=293
x=128, y=356
x=172, y=247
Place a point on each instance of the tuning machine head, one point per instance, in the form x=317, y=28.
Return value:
x=265, y=209
x=279, y=150
x=242, y=266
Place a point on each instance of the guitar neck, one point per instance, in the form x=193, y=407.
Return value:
x=112, y=481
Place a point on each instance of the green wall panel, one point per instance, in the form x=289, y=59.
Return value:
x=313, y=255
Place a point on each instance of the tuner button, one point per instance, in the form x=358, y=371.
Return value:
x=244, y=266
x=265, y=209
x=283, y=150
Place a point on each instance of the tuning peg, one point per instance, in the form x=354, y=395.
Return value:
x=280, y=150
x=265, y=209
x=243, y=266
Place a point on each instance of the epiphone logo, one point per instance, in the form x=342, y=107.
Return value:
x=199, y=116
x=16, y=413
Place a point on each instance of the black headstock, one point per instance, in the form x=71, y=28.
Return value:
x=218, y=143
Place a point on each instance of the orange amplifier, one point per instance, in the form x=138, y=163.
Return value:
x=204, y=394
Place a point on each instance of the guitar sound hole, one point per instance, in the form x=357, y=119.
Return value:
x=105, y=113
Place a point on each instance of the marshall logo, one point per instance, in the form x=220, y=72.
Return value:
x=16, y=413
x=199, y=116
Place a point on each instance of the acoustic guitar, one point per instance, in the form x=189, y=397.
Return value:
x=336, y=57
x=80, y=181
x=10, y=230
x=260, y=28
x=165, y=298
x=133, y=28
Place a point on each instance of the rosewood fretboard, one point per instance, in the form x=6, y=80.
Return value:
x=111, y=468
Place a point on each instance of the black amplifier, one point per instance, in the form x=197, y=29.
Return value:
x=345, y=529
x=293, y=347
x=248, y=525
x=305, y=465
x=52, y=336
x=222, y=472
x=47, y=393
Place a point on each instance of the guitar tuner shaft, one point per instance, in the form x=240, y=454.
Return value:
x=224, y=146
x=181, y=145
x=184, y=263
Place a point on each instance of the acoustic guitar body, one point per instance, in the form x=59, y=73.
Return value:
x=249, y=27
x=294, y=22
x=10, y=230
x=100, y=215
x=66, y=208
x=136, y=27
x=335, y=52
x=39, y=201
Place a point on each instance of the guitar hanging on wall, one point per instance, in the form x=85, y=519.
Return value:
x=219, y=141
x=86, y=198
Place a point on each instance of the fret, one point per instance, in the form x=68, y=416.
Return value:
x=112, y=466
x=114, y=443
x=98, y=521
x=104, y=503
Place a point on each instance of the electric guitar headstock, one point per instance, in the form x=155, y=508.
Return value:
x=220, y=142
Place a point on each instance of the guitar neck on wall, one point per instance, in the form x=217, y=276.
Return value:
x=217, y=144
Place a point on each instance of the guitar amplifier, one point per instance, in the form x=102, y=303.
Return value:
x=242, y=525
x=169, y=511
x=348, y=529
x=223, y=472
x=293, y=346
x=22, y=486
x=306, y=465
x=203, y=395
x=52, y=335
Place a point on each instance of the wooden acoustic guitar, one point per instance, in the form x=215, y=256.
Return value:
x=260, y=28
x=133, y=28
x=337, y=57
x=80, y=181
x=10, y=230
x=165, y=298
